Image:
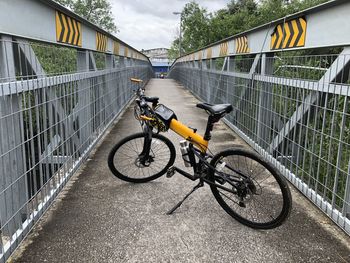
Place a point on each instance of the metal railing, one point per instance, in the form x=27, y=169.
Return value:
x=298, y=116
x=56, y=102
x=290, y=106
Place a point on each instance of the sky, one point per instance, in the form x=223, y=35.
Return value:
x=146, y=24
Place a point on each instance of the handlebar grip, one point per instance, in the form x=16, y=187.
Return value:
x=136, y=80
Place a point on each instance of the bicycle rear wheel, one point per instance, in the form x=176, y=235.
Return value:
x=124, y=158
x=260, y=197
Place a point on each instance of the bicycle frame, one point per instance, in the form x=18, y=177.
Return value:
x=198, y=146
x=189, y=134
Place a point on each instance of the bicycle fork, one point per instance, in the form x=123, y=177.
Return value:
x=144, y=156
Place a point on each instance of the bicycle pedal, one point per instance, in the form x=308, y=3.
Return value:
x=171, y=171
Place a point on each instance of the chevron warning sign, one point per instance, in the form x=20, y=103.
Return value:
x=126, y=52
x=116, y=48
x=223, y=49
x=209, y=53
x=199, y=55
x=242, y=45
x=290, y=34
x=68, y=30
x=101, y=42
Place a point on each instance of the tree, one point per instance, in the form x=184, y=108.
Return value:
x=194, y=23
x=236, y=6
x=239, y=16
x=98, y=12
x=174, y=51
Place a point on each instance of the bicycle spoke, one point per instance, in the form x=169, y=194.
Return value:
x=126, y=159
x=261, y=195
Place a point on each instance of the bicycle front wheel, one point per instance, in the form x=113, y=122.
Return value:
x=124, y=158
x=253, y=191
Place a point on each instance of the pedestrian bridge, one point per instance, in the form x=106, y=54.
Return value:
x=65, y=100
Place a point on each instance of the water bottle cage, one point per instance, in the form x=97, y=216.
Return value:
x=184, y=155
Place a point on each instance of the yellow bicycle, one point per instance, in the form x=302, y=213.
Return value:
x=247, y=187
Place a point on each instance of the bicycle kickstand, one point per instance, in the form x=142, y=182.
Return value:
x=199, y=185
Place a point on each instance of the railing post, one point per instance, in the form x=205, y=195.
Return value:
x=231, y=64
x=209, y=82
x=84, y=112
x=265, y=102
x=109, y=86
x=346, y=206
x=13, y=184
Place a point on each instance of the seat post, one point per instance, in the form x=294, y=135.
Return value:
x=210, y=125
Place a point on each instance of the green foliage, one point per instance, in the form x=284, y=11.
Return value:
x=195, y=30
x=195, y=27
x=56, y=60
x=99, y=12
x=100, y=60
x=174, y=51
x=219, y=63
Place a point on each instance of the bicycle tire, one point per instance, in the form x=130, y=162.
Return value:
x=127, y=174
x=233, y=205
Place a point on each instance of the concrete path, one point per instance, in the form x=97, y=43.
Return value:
x=99, y=218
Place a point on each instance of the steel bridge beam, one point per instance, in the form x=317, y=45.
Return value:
x=40, y=22
x=326, y=26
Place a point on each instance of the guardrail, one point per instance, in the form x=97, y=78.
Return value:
x=289, y=84
x=60, y=90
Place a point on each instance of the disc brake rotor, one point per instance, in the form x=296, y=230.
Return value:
x=144, y=163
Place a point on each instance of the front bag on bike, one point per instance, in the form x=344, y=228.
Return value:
x=164, y=115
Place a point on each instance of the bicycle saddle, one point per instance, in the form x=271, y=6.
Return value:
x=151, y=99
x=217, y=109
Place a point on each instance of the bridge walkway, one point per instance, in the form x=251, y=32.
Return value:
x=98, y=218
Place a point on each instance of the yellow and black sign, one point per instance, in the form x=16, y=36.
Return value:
x=290, y=34
x=116, y=48
x=223, y=49
x=209, y=53
x=199, y=55
x=126, y=51
x=242, y=45
x=101, y=42
x=68, y=30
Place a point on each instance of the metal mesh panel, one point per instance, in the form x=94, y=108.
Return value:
x=55, y=104
x=293, y=109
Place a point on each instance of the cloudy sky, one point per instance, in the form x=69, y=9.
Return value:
x=146, y=24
